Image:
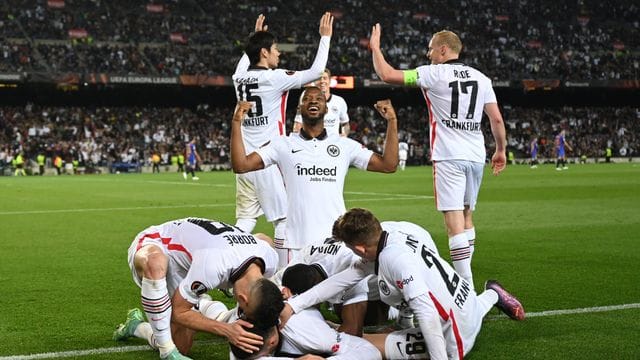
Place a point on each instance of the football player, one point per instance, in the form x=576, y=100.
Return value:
x=314, y=166
x=193, y=256
x=257, y=80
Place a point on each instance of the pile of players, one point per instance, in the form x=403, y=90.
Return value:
x=370, y=271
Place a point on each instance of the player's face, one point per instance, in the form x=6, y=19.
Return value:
x=324, y=83
x=434, y=53
x=274, y=56
x=313, y=106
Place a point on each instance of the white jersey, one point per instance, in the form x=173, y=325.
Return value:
x=409, y=270
x=329, y=258
x=307, y=332
x=268, y=90
x=314, y=170
x=399, y=231
x=336, y=116
x=208, y=254
x=455, y=95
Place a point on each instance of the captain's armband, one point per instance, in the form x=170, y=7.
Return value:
x=410, y=77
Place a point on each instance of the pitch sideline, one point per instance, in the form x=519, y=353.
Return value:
x=126, y=349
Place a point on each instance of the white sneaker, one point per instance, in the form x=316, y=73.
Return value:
x=558, y=169
x=195, y=178
x=184, y=175
x=534, y=166
x=565, y=168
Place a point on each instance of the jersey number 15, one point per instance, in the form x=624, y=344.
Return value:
x=244, y=94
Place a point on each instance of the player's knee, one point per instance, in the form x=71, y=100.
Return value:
x=151, y=262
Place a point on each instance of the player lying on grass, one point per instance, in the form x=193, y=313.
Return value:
x=411, y=274
x=194, y=256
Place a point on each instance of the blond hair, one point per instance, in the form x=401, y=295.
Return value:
x=448, y=38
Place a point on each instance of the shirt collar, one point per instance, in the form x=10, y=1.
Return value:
x=382, y=242
x=306, y=136
x=454, y=61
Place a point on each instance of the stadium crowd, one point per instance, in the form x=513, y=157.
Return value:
x=102, y=136
x=517, y=39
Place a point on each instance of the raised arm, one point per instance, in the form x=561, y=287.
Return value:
x=240, y=161
x=322, y=55
x=388, y=161
x=499, y=158
x=385, y=71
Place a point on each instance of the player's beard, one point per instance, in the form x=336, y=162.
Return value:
x=313, y=121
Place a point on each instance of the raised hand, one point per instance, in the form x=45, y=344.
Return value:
x=374, y=40
x=242, y=108
x=326, y=24
x=385, y=108
x=260, y=23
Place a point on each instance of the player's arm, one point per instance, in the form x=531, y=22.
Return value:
x=183, y=315
x=345, y=129
x=322, y=55
x=430, y=326
x=240, y=161
x=499, y=158
x=388, y=161
x=386, y=72
x=323, y=291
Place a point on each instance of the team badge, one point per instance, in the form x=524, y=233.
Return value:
x=198, y=288
x=333, y=150
x=384, y=289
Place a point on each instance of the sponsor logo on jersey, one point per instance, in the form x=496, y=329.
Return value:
x=399, y=348
x=403, y=282
x=295, y=151
x=198, y=288
x=333, y=150
x=384, y=289
x=316, y=170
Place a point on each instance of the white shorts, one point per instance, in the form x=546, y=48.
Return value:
x=402, y=155
x=456, y=184
x=175, y=272
x=261, y=192
x=406, y=344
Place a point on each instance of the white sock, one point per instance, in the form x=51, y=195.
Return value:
x=157, y=306
x=460, y=256
x=144, y=331
x=279, y=234
x=246, y=225
x=471, y=237
x=212, y=309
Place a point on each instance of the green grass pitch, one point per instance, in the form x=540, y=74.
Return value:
x=557, y=239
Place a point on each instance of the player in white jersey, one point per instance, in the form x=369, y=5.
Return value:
x=456, y=95
x=336, y=121
x=257, y=80
x=197, y=255
x=403, y=152
x=412, y=274
x=353, y=305
x=314, y=166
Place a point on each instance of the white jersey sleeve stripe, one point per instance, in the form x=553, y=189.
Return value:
x=454, y=325
x=165, y=241
x=282, y=122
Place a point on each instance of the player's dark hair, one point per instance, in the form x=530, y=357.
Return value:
x=256, y=42
x=356, y=227
x=301, y=277
x=268, y=304
x=265, y=333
